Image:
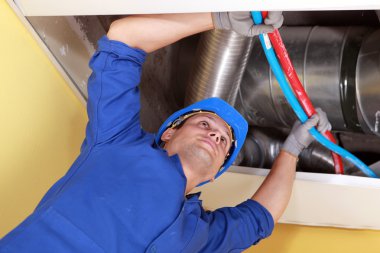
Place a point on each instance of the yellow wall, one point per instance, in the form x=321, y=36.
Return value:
x=41, y=122
x=303, y=239
x=42, y=126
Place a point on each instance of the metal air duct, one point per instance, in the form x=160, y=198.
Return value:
x=368, y=83
x=263, y=145
x=219, y=66
x=325, y=59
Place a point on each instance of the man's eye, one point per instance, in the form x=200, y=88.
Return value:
x=204, y=124
x=223, y=140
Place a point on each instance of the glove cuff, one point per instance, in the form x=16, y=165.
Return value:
x=220, y=20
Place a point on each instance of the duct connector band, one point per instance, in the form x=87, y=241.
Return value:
x=276, y=68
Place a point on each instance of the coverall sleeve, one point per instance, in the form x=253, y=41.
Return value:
x=113, y=104
x=233, y=229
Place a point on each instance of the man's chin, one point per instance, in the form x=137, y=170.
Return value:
x=202, y=155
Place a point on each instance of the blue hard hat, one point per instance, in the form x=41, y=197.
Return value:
x=225, y=111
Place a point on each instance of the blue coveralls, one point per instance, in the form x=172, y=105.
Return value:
x=124, y=193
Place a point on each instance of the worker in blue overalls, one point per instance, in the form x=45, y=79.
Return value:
x=128, y=191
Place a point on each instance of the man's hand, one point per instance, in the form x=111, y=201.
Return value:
x=242, y=23
x=300, y=138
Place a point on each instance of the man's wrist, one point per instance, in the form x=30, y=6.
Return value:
x=292, y=146
x=289, y=154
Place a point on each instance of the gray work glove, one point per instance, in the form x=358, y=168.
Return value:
x=241, y=22
x=300, y=138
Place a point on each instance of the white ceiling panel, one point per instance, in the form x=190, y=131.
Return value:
x=317, y=199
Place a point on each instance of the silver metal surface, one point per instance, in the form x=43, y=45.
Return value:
x=72, y=42
x=378, y=14
x=359, y=142
x=316, y=53
x=263, y=145
x=219, y=66
x=376, y=167
x=368, y=82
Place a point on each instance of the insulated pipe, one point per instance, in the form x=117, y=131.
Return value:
x=298, y=89
x=221, y=59
x=265, y=42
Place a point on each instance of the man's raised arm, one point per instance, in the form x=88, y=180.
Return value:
x=151, y=32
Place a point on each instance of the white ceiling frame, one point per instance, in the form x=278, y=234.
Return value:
x=117, y=7
x=317, y=199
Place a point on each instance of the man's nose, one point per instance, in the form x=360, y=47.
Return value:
x=215, y=135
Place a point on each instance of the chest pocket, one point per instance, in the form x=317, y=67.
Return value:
x=187, y=234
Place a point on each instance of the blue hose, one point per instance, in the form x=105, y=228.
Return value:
x=292, y=100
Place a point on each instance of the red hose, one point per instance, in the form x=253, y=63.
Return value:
x=298, y=89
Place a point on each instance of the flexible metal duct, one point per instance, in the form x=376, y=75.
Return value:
x=220, y=63
x=325, y=59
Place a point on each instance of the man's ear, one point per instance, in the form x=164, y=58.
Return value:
x=168, y=134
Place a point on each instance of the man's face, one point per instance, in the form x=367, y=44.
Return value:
x=203, y=141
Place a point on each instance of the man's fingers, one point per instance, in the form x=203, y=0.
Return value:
x=323, y=124
x=275, y=18
x=312, y=122
x=242, y=23
x=258, y=29
x=296, y=124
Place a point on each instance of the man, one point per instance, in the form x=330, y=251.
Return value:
x=128, y=189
